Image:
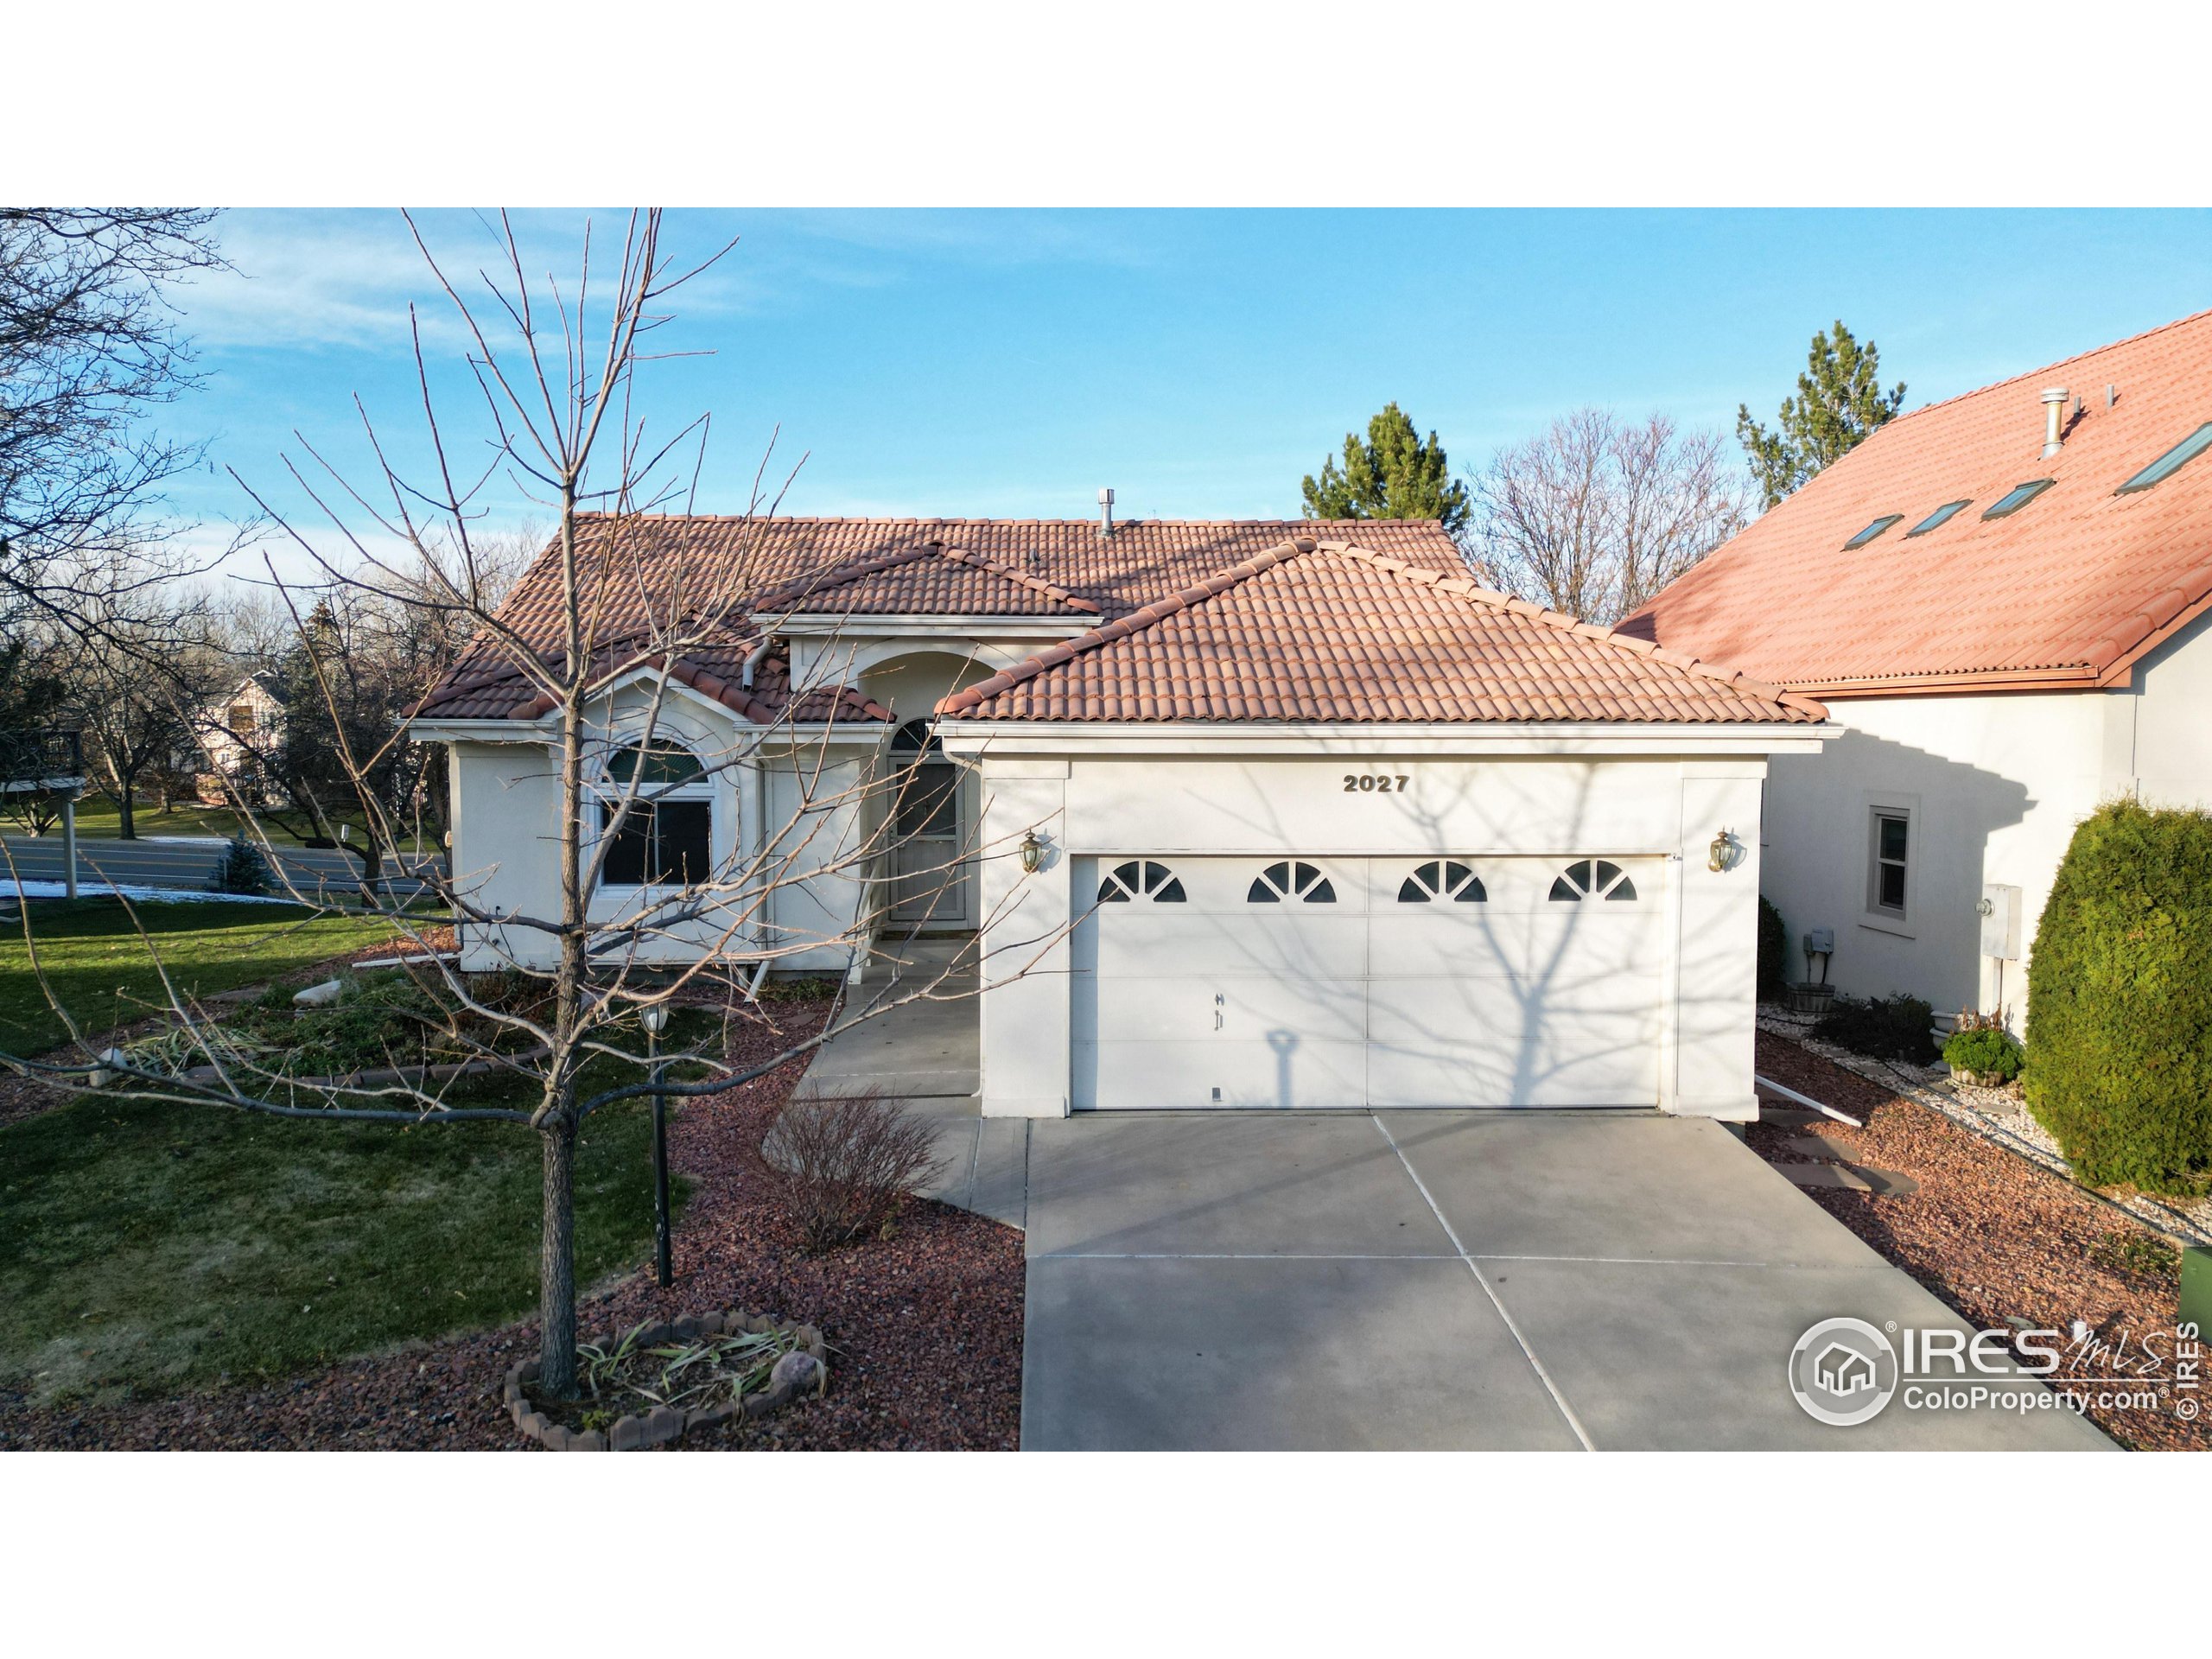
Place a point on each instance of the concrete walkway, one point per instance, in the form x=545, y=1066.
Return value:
x=1444, y=1280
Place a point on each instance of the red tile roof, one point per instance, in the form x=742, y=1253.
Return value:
x=642, y=572
x=2069, y=591
x=1330, y=633
x=931, y=580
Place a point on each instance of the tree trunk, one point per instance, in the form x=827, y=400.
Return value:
x=126, y=825
x=556, y=1263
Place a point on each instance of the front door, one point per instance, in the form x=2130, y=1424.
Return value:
x=929, y=857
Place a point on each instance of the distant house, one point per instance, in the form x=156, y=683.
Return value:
x=231, y=731
x=2002, y=601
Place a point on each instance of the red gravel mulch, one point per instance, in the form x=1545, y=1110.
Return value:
x=925, y=1327
x=1988, y=1233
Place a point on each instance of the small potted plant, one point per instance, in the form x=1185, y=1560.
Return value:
x=1982, y=1053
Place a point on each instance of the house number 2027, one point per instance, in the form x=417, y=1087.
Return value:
x=1375, y=783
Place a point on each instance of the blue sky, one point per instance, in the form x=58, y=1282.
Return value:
x=1006, y=364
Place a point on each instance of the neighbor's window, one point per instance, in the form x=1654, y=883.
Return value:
x=1889, y=851
x=2170, y=463
x=1938, y=520
x=667, y=836
x=1298, y=882
x=1872, y=530
x=2016, y=498
x=240, y=718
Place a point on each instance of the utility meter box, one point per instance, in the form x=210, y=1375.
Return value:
x=2000, y=921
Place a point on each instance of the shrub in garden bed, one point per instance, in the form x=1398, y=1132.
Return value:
x=1773, y=953
x=1883, y=1028
x=1982, y=1047
x=2119, y=1002
x=845, y=1165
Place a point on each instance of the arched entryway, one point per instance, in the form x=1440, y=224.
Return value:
x=930, y=878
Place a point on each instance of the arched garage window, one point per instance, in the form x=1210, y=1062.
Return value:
x=1297, y=883
x=1592, y=878
x=1141, y=878
x=1441, y=880
x=667, y=836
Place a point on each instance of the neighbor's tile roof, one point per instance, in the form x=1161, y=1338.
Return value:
x=1331, y=632
x=644, y=571
x=2068, y=591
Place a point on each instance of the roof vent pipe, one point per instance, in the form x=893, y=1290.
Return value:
x=1105, y=514
x=2054, y=413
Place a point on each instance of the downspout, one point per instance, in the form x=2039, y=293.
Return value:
x=752, y=818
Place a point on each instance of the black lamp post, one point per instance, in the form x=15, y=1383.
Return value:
x=655, y=1019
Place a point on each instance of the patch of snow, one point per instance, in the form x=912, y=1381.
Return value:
x=137, y=896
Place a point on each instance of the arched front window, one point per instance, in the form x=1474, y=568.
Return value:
x=1141, y=878
x=1297, y=883
x=666, y=838
x=1589, y=878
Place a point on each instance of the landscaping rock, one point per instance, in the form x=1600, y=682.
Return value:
x=798, y=1372
x=318, y=997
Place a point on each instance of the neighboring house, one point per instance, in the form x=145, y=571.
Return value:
x=2002, y=601
x=1315, y=820
x=230, y=730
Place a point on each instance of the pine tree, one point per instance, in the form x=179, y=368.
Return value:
x=1392, y=475
x=1840, y=402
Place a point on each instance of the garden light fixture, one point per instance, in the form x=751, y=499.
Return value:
x=654, y=1019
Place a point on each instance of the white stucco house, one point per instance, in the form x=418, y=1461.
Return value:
x=1245, y=815
x=2002, y=600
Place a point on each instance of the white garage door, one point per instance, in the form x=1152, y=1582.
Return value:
x=1368, y=982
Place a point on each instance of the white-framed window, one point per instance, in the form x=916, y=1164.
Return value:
x=1292, y=881
x=1442, y=879
x=1593, y=877
x=1140, y=880
x=1889, y=860
x=667, y=838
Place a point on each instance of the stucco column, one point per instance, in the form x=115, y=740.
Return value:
x=1716, y=979
x=1025, y=921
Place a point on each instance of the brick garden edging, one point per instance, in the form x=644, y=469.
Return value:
x=664, y=1423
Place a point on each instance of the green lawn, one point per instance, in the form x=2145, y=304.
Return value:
x=152, y=1247
x=99, y=967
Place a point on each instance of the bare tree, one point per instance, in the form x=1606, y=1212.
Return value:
x=597, y=647
x=1593, y=517
x=88, y=347
x=132, y=692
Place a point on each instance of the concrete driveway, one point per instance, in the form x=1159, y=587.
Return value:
x=1442, y=1280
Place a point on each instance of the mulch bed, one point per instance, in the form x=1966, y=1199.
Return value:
x=925, y=1326
x=1988, y=1233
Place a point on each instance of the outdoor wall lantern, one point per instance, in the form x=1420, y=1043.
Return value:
x=1033, y=852
x=1725, y=852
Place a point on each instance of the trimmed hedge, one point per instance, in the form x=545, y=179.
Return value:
x=2119, y=1002
x=1774, y=953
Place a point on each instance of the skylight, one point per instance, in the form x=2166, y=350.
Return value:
x=1938, y=520
x=2018, y=497
x=2172, y=462
x=1872, y=530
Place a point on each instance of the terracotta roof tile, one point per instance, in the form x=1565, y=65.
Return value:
x=2068, y=590
x=643, y=572
x=1328, y=633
